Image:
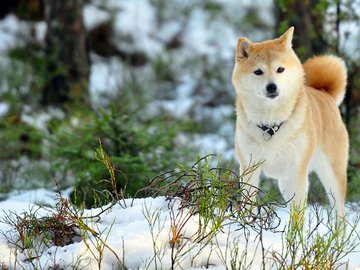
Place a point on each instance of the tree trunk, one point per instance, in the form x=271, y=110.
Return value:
x=66, y=57
x=308, y=22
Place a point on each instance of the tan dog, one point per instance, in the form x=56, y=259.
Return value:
x=288, y=117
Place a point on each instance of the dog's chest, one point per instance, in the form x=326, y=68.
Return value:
x=279, y=155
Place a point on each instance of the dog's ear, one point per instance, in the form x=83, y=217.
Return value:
x=243, y=48
x=286, y=39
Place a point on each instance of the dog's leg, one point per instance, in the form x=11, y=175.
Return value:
x=333, y=177
x=249, y=171
x=295, y=188
x=333, y=189
x=251, y=180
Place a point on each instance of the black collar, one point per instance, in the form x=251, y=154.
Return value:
x=269, y=131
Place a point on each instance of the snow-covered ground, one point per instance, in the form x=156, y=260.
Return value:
x=128, y=234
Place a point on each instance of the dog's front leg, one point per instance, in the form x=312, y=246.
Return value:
x=295, y=188
x=250, y=179
x=249, y=182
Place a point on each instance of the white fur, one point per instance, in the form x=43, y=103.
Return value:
x=322, y=167
x=280, y=159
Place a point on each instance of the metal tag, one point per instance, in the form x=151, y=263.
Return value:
x=266, y=136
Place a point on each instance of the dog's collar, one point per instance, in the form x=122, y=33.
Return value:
x=269, y=131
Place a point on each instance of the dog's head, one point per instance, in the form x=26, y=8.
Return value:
x=268, y=71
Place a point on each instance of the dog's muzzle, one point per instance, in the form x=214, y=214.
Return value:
x=271, y=90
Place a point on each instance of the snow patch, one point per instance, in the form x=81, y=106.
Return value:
x=4, y=108
x=137, y=19
x=10, y=28
x=128, y=233
x=94, y=16
x=105, y=78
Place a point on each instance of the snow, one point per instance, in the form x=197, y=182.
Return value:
x=137, y=19
x=196, y=37
x=4, y=108
x=349, y=31
x=38, y=196
x=94, y=16
x=40, y=31
x=105, y=77
x=40, y=120
x=13, y=32
x=9, y=28
x=128, y=235
x=208, y=143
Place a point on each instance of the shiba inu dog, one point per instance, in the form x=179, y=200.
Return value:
x=288, y=118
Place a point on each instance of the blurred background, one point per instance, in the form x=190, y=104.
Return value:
x=148, y=80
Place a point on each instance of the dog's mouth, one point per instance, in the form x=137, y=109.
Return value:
x=272, y=95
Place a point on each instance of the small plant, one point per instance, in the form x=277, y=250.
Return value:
x=106, y=190
x=232, y=257
x=59, y=228
x=3, y=266
x=316, y=241
x=136, y=149
x=216, y=198
x=156, y=226
x=96, y=243
x=32, y=233
x=216, y=194
x=21, y=139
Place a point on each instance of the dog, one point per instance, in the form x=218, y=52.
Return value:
x=288, y=120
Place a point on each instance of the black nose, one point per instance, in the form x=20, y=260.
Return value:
x=271, y=88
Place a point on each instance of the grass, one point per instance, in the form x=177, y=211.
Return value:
x=205, y=205
x=32, y=234
x=318, y=241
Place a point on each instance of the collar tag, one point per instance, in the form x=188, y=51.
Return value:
x=269, y=131
x=267, y=136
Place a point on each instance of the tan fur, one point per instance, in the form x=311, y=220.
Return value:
x=320, y=72
x=312, y=135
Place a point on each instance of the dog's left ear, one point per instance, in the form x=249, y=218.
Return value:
x=286, y=39
x=243, y=48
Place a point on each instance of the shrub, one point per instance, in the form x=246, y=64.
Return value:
x=137, y=149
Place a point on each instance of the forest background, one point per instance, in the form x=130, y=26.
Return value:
x=148, y=81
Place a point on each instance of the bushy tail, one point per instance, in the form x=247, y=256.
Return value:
x=327, y=72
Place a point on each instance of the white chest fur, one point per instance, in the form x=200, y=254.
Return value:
x=280, y=155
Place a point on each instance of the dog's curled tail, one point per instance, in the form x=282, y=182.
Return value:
x=327, y=72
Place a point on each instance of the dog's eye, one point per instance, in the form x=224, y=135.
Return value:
x=258, y=72
x=280, y=70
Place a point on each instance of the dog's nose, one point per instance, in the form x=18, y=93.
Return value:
x=271, y=88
